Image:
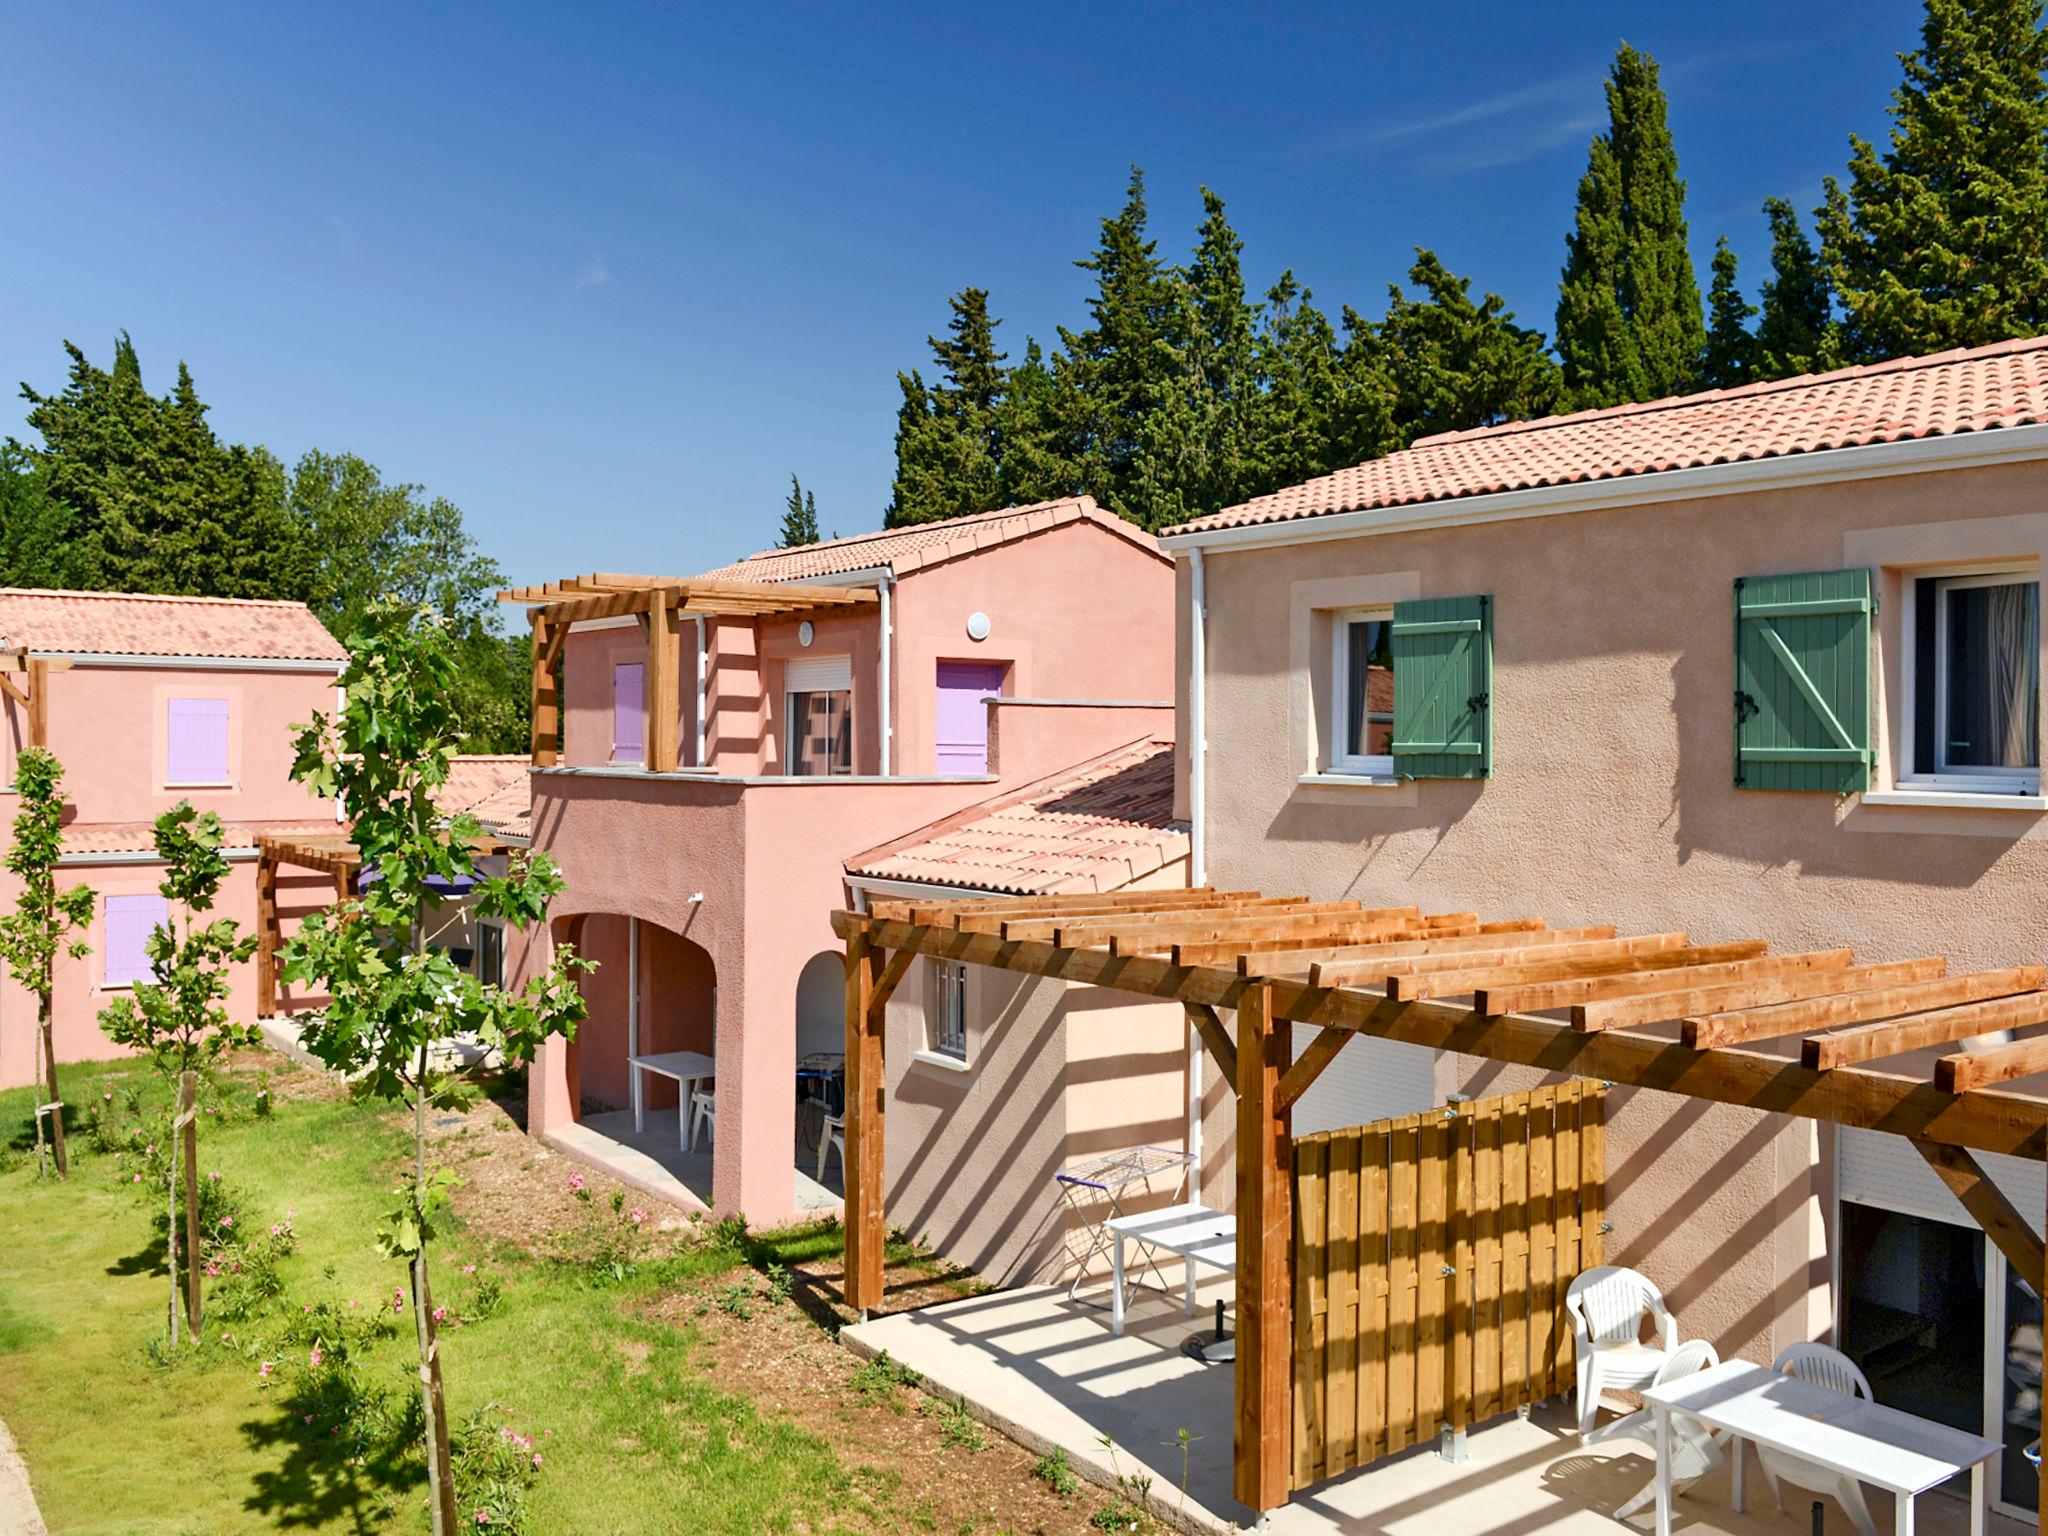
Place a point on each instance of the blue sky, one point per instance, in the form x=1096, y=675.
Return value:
x=606, y=275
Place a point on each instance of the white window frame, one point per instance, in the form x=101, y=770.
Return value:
x=1364, y=765
x=496, y=928
x=1911, y=775
x=792, y=728
x=945, y=1027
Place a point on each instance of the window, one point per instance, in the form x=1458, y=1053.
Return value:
x=946, y=1025
x=129, y=921
x=1973, y=681
x=629, y=713
x=818, y=715
x=196, y=744
x=490, y=954
x=1362, y=693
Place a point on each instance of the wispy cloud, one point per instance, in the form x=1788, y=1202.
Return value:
x=1560, y=90
x=593, y=273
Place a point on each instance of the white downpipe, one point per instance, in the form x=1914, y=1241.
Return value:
x=1198, y=844
x=888, y=719
x=703, y=692
x=632, y=986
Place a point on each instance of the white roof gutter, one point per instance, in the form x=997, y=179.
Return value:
x=191, y=663
x=1916, y=456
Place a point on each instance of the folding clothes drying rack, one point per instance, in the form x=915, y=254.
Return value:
x=1107, y=1179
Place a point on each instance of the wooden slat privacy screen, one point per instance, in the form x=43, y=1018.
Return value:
x=1431, y=1256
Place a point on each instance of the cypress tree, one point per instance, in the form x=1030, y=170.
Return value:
x=1797, y=333
x=1628, y=307
x=1452, y=364
x=1037, y=456
x=1302, y=364
x=945, y=432
x=1939, y=242
x=799, y=517
x=1731, y=349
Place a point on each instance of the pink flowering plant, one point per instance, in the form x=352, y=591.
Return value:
x=394, y=995
x=495, y=1465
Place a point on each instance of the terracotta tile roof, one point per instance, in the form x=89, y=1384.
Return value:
x=1093, y=827
x=494, y=788
x=905, y=549
x=140, y=836
x=1971, y=390
x=144, y=624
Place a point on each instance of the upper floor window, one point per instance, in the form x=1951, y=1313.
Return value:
x=818, y=714
x=629, y=713
x=1973, y=681
x=196, y=744
x=1362, y=692
x=946, y=1025
x=128, y=922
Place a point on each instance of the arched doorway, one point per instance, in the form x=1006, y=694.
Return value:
x=821, y=1078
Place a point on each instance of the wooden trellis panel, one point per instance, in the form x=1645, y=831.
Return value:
x=1431, y=1257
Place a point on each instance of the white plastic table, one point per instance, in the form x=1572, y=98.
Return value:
x=1868, y=1441
x=688, y=1068
x=1193, y=1233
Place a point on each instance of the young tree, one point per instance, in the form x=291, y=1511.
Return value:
x=1797, y=333
x=1731, y=349
x=38, y=929
x=799, y=518
x=393, y=996
x=1943, y=240
x=180, y=1020
x=1628, y=306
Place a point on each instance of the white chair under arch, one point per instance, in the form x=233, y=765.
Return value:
x=1608, y=1306
x=1830, y=1368
x=1695, y=1449
x=702, y=1111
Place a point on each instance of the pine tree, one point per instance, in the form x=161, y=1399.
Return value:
x=945, y=432
x=160, y=504
x=1731, y=349
x=1038, y=455
x=1453, y=365
x=39, y=545
x=799, y=518
x=1940, y=241
x=1628, y=308
x=1797, y=333
x=1301, y=361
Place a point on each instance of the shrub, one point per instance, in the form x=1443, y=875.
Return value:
x=494, y=1466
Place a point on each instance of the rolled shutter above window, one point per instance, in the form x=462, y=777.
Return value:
x=1802, y=682
x=1443, y=687
x=818, y=674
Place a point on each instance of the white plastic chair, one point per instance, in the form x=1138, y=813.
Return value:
x=1695, y=1449
x=703, y=1112
x=831, y=1132
x=1829, y=1368
x=1607, y=1306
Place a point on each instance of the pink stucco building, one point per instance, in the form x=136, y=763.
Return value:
x=159, y=699
x=954, y=664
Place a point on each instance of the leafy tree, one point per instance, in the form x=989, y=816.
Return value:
x=1731, y=349
x=44, y=917
x=1939, y=241
x=394, y=998
x=1797, y=333
x=180, y=1020
x=38, y=534
x=1452, y=364
x=799, y=518
x=945, y=433
x=1628, y=307
x=158, y=502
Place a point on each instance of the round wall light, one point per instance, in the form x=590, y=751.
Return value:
x=977, y=626
x=805, y=634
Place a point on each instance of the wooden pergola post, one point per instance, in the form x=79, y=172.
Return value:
x=33, y=692
x=865, y=1095
x=664, y=699
x=1265, y=1237
x=267, y=934
x=546, y=706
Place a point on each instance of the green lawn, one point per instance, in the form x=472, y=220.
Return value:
x=634, y=1438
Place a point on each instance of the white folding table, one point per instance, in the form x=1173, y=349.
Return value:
x=1868, y=1441
x=1193, y=1233
x=688, y=1068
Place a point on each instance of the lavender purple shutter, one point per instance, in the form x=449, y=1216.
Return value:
x=129, y=921
x=197, y=742
x=961, y=722
x=629, y=713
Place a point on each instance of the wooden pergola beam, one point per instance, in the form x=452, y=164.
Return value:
x=1428, y=961
x=1298, y=961
x=1773, y=1020
x=1687, y=997
x=1463, y=983
x=1965, y=1070
x=1893, y=1037
x=1534, y=997
x=1172, y=925
x=1984, y=1119
x=1988, y=1207
x=1209, y=1025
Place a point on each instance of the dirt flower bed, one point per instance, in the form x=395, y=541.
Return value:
x=921, y=1462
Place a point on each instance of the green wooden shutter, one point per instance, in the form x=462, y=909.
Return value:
x=1802, y=682
x=1443, y=682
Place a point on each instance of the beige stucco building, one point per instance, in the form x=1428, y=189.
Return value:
x=1603, y=775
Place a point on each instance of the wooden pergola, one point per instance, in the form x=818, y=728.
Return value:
x=334, y=854
x=661, y=602
x=1652, y=1010
x=32, y=693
